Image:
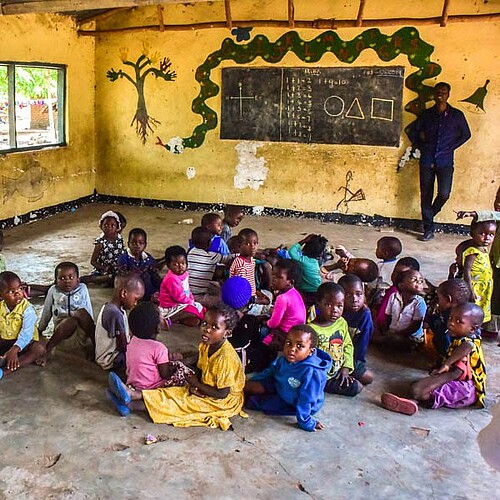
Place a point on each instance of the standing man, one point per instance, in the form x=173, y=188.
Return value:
x=437, y=132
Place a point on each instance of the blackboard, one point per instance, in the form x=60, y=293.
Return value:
x=361, y=105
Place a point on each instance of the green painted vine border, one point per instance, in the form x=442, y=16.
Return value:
x=405, y=41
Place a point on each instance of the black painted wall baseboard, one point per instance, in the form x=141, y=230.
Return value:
x=335, y=217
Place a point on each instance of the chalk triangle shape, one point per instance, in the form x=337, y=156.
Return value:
x=355, y=110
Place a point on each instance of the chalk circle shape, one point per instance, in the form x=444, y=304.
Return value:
x=333, y=104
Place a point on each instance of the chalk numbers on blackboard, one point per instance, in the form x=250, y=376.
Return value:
x=297, y=99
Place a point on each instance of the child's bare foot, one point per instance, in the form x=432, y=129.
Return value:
x=41, y=361
x=366, y=378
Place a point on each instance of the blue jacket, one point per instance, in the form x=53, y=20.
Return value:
x=300, y=384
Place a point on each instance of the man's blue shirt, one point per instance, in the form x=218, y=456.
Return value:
x=437, y=135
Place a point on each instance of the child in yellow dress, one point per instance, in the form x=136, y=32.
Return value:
x=478, y=272
x=208, y=401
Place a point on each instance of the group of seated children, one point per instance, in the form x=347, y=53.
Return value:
x=301, y=325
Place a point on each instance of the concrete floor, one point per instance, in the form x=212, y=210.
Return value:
x=60, y=438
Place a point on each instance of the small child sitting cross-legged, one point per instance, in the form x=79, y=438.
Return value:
x=107, y=248
x=210, y=400
x=402, y=265
x=294, y=383
x=233, y=215
x=213, y=222
x=177, y=302
x=19, y=344
x=308, y=252
x=112, y=332
x=334, y=338
x=405, y=312
x=68, y=305
x=149, y=363
x=360, y=323
x=137, y=260
x=460, y=381
x=450, y=293
x=289, y=309
x=244, y=266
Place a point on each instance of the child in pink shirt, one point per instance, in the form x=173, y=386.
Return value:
x=176, y=300
x=289, y=309
x=149, y=364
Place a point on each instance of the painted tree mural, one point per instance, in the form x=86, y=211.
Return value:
x=144, y=66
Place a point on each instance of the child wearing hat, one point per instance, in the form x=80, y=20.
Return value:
x=246, y=339
x=107, y=248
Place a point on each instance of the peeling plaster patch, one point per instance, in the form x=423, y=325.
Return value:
x=175, y=145
x=190, y=172
x=257, y=210
x=251, y=171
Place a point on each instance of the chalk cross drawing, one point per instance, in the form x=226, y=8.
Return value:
x=241, y=97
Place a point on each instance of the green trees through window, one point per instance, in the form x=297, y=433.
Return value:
x=31, y=106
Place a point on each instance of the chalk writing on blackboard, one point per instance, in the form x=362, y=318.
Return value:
x=313, y=105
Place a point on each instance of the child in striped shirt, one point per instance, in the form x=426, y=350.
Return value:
x=202, y=262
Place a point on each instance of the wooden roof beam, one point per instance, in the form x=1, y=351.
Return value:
x=161, y=22
x=291, y=14
x=37, y=6
x=229, y=19
x=361, y=10
x=315, y=24
x=444, y=15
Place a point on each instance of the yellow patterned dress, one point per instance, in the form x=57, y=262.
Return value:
x=481, y=275
x=176, y=406
x=478, y=368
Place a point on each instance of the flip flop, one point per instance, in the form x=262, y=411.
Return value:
x=118, y=388
x=123, y=410
x=401, y=405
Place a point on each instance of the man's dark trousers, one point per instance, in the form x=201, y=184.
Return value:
x=430, y=207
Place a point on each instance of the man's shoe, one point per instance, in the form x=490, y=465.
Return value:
x=427, y=236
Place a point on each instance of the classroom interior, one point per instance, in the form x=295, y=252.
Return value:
x=154, y=146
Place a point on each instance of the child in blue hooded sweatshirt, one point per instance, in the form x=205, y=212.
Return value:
x=294, y=383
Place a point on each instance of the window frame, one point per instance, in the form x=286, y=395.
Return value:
x=11, y=98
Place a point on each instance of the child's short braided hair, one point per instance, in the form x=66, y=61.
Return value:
x=229, y=314
x=457, y=289
x=315, y=247
x=307, y=329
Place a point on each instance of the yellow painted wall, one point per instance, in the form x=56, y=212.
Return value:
x=301, y=176
x=33, y=180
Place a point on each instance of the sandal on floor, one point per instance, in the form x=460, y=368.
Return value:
x=118, y=388
x=123, y=410
x=401, y=405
